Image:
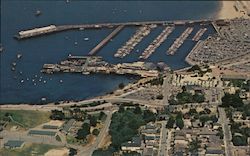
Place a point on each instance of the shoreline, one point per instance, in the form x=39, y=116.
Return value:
x=227, y=10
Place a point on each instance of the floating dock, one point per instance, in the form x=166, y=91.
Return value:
x=157, y=42
x=106, y=40
x=126, y=49
x=199, y=34
x=179, y=41
x=53, y=28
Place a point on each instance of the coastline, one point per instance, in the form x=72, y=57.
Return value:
x=228, y=11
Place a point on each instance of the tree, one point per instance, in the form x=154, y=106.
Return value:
x=121, y=109
x=192, y=111
x=137, y=110
x=239, y=140
x=179, y=121
x=198, y=98
x=72, y=152
x=121, y=86
x=83, y=132
x=159, y=97
x=101, y=115
x=232, y=100
x=194, y=145
x=148, y=116
x=95, y=132
x=93, y=120
x=170, y=123
x=194, y=68
x=57, y=115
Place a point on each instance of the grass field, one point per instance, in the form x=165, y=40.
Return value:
x=27, y=118
x=28, y=150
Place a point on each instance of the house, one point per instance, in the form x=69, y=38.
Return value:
x=133, y=145
x=214, y=152
x=13, y=144
x=67, y=126
x=148, y=152
x=42, y=133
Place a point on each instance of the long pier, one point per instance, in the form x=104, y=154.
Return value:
x=41, y=31
x=106, y=40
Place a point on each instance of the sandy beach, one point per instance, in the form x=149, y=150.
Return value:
x=228, y=11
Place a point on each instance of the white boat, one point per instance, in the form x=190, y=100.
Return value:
x=86, y=39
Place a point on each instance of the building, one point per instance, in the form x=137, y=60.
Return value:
x=13, y=144
x=42, y=133
x=133, y=145
x=67, y=126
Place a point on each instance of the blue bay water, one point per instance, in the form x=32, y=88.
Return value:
x=20, y=15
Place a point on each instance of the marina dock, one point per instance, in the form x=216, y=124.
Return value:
x=53, y=28
x=126, y=49
x=179, y=41
x=106, y=40
x=156, y=42
x=199, y=34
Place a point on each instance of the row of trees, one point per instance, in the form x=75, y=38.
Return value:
x=178, y=120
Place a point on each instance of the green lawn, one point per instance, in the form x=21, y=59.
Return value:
x=28, y=150
x=27, y=118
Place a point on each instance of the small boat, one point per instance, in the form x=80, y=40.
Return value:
x=38, y=13
x=61, y=81
x=13, y=68
x=86, y=39
x=22, y=81
x=19, y=56
x=13, y=63
x=75, y=43
x=43, y=99
x=67, y=1
x=85, y=73
x=1, y=48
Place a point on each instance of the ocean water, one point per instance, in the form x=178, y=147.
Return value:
x=19, y=15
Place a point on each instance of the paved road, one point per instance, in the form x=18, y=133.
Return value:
x=163, y=141
x=166, y=89
x=50, y=107
x=169, y=142
x=227, y=135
